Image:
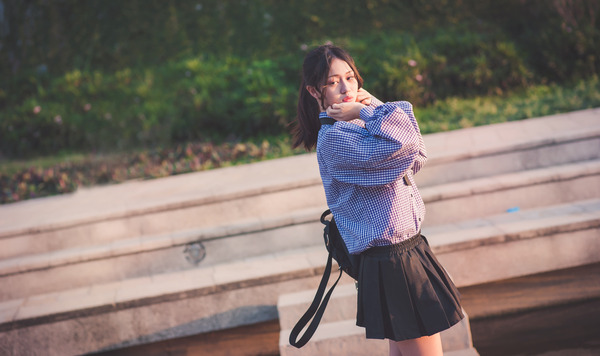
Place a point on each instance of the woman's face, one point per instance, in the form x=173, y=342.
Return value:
x=341, y=84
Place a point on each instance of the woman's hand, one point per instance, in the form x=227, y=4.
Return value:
x=345, y=111
x=363, y=97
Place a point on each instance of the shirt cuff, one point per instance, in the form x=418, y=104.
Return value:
x=375, y=102
x=367, y=112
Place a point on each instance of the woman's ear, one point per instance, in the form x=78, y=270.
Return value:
x=314, y=92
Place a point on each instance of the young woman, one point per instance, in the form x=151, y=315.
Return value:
x=368, y=152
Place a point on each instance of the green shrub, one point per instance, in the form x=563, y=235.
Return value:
x=536, y=101
x=208, y=97
x=190, y=100
x=25, y=180
x=449, y=62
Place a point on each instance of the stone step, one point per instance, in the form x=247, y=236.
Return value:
x=345, y=338
x=145, y=255
x=210, y=216
x=260, y=190
x=136, y=231
x=520, y=243
x=528, y=237
x=71, y=268
x=113, y=296
x=445, y=203
x=118, y=315
x=515, y=146
x=341, y=311
x=539, y=226
x=490, y=246
x=477, y=198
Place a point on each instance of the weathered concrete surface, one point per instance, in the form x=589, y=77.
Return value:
x=126, y=326
x=570, y=137
x=338, y=326
x=118, y=245
x=345, y=338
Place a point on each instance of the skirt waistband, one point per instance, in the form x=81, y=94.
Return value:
x=396, y=248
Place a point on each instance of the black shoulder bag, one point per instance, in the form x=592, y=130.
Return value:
x=348, y=263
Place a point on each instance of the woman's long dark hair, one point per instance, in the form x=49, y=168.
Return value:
x=315, y=70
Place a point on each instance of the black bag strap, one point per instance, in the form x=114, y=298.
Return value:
x=327, y=121
x=317, y=308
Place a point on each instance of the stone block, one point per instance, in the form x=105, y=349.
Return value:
x=516, y=258
x=345, y=338
x=8, y=310
x=338, y=325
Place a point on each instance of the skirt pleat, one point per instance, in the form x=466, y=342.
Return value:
x=404, y=293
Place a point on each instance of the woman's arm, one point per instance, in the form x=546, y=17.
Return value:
x=421, y=158
x=351, y=111
x=379, y=153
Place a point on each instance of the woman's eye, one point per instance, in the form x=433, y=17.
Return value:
x=332, y=83
x=351, y=78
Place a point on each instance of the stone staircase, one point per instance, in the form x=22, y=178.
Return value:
x=106, y=267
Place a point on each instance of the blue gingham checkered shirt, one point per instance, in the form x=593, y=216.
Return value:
x=362, y=164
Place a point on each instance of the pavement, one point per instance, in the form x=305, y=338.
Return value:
x=549, y=165
x=145, y=196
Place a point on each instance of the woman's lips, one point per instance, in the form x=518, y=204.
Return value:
x=348, y=99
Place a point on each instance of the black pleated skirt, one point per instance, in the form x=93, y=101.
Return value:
x=404, y=293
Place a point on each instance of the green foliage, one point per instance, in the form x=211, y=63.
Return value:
x=449, y=62
x=536, y=101
x=208, y=97
x=107, y=75
x=194, y=99
x=51, y=177
x=558, y=38
x=62, y=175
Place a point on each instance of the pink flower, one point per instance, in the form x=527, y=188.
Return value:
x=87, y=107
x=58, y=119
x=412, y=63
x=418, y=77
x=37, y=109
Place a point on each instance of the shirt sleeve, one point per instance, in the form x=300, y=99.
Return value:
x=421, y=157
x=379, y=153
x=375, y=102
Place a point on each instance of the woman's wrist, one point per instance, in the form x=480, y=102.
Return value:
x=345, y=111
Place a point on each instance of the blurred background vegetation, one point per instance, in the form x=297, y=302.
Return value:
x=101, y=91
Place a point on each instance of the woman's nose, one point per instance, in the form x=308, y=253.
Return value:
x=344, y=86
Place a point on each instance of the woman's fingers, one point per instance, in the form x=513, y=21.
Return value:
x=363, y=97
x=344, y=111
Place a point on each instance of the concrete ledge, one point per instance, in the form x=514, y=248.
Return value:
x=521, y=225
x=104, y=315
x=493, y=250
x=341, y=316
x=510, y=181
x=239, y=211
x=169, y=319
x=111, y=297
x=141, y=244
x=345, y=338
x=479, y=198
x=183, y=191
x=430, y=195
x=515, y=135
x=152, y=196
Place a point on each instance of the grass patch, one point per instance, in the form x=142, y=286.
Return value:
x=536, y=101
x=26, y=179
